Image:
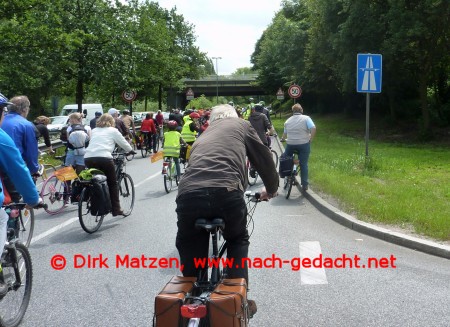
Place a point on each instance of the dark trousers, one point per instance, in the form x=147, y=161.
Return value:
x=194, y=243
x=106, y=165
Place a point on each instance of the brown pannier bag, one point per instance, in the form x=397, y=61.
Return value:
x=169, y=300
x=227, y=305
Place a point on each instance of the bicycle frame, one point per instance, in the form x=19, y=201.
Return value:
x=194, y=307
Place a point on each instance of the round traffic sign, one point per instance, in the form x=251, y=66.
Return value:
x=129, y=95
x=295, y=91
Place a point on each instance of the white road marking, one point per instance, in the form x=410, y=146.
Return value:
x=311, y=276
x=53, y=230
x=72, y=220
x=147, y=179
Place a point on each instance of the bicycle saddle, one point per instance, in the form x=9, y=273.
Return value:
x=210, y=225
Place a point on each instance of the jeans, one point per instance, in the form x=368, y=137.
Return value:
x=194, y=243
x=303, y=151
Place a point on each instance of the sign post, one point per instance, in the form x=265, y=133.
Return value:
x=129, y=96
x=368, y=80
x=295, y=91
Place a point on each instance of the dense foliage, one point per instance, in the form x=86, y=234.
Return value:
x=94, y=49
x=315, y=43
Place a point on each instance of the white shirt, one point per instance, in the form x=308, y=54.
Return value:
x=298, y=129
x=103, y=141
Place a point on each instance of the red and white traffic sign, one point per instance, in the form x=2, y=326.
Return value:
x=129, y=95
x=295, y=91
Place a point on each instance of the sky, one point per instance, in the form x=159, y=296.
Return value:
x=226, y=28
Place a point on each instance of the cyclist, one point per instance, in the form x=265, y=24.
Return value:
x=78, y=136
x=93, y=121
x=118, y=122
x=99, y=155
x=262, y=125
x=172, y=144
x=299, y=131
x=190, y=128
x=214, y=184
x=23, y=134
x=148, y=129
x=12, y=164
x=41, y=123
x=128, y=121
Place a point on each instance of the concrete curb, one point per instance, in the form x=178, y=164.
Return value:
x=384, y=234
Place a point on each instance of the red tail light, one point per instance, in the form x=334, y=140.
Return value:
x=193, y=310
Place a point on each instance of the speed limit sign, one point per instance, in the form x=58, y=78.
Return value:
x=295, y=91
x=129, y=95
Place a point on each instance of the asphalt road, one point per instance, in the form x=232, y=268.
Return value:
x=412, y=288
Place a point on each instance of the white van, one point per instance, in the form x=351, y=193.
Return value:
x=89, y=110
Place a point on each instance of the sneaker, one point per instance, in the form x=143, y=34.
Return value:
x=252, y=309
x=252, y=173
x=304, y=188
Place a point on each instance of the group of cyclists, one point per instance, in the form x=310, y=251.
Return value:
x=213, y=184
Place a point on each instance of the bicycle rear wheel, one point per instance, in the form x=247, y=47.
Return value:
x=15, y=303
x=55, y=194
x=252, y=180
x=290, y=182
x=130, y=157
x=168, y=179
x=126, y=194
x=157, y=142
x=26, y=226
x=275, y=157
x=88, y=222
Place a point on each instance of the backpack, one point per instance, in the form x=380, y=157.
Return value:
x=78, y=139
x=100, y=200
x=286, y=165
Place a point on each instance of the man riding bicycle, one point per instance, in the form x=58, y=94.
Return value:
x=12, y=165
x=213, y=186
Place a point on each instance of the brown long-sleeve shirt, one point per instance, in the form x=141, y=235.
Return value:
x=218, y=158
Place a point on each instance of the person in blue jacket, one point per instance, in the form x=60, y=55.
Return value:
x=12, y=165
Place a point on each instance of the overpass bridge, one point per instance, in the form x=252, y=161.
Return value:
x=210, y=86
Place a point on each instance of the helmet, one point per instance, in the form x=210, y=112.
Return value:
x=251, y=99
x=126, y=112
x=194, y=115
x=4, y=101
x=231, y=103
x=172, y=124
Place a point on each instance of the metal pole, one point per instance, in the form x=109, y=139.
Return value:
x=367, y=122
x=217, y=78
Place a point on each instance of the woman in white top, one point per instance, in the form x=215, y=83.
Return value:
x=299, y=130
x=99, y=155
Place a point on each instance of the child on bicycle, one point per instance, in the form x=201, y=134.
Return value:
x=172, y=144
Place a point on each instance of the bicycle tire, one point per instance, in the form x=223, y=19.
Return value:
x=126, y=193
x=275, y=157
x=291, y=180
x=168, y=180
x=88, y=222
x=26, y=226
x=15, y=303
x=252, y=180
x=157, y=142
x=130, y=157
x=55, y=195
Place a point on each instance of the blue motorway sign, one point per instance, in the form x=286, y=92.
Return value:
x=368, y=75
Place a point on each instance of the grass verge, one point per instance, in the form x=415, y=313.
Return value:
x=404, y=185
